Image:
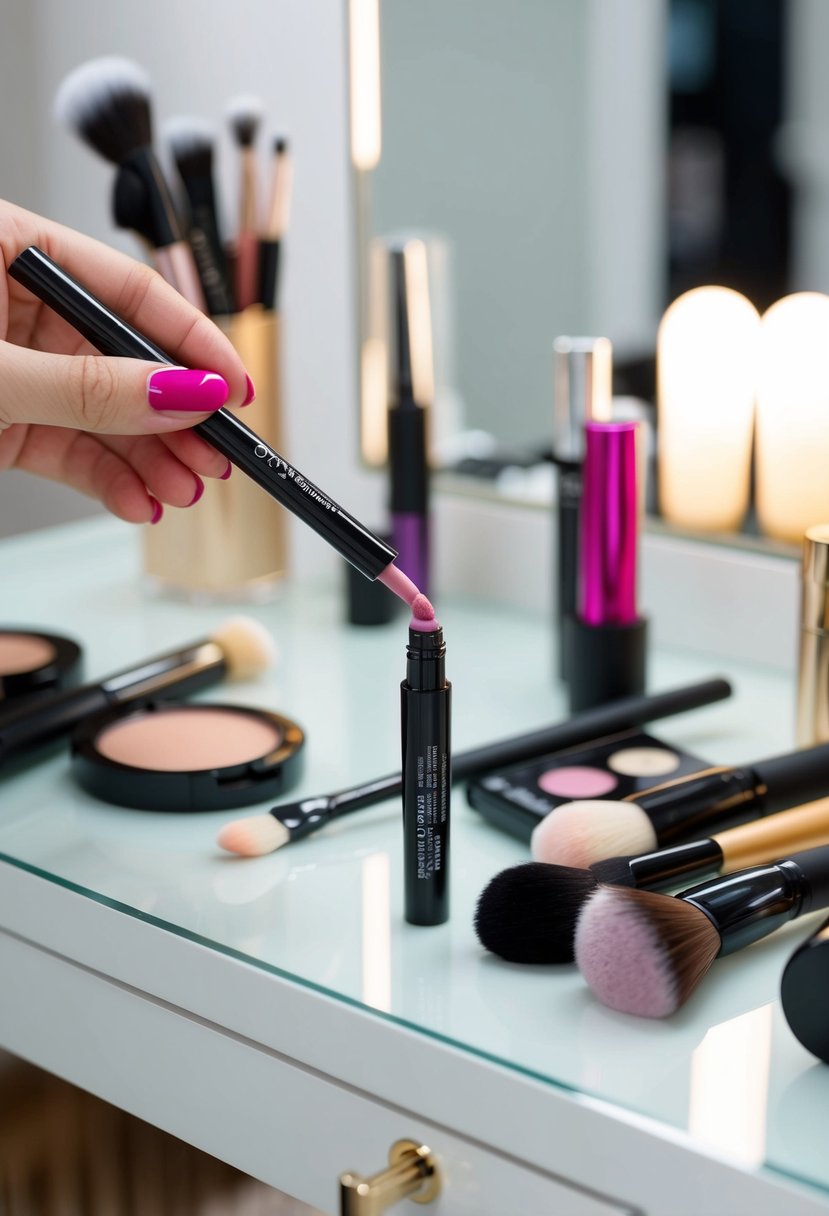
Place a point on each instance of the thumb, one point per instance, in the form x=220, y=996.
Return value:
x=105, y=395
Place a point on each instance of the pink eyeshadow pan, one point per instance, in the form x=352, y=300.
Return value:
x=577, y=781
x=183, y=740
x=23, y=652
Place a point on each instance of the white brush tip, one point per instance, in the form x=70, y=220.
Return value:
x=245, y=107
x=253, y=837
x=248, y=647
x=579, y=833
x=185, y=134
x=81, y=90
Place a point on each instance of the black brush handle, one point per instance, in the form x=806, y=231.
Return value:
x=210, y=259
x=800, y=776
x=751, y=904
x=269, y=249
x=814, y=866
x=307, y=816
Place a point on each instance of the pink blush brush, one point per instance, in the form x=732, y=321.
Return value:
x=646, y=954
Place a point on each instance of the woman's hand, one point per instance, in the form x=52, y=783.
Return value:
x=116, y=429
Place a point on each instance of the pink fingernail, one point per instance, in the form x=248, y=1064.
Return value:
x=251, y=393
x=224, y=476
x=199, y=491
x=158, y=510
x=182, y=389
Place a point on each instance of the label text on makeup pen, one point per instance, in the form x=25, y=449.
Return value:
x=284, y=470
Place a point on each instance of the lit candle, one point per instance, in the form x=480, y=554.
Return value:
x=792, y=453
x=707, y=351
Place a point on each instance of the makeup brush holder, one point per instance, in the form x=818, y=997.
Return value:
x=233, y=544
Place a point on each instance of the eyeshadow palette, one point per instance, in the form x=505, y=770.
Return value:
x=619, y=766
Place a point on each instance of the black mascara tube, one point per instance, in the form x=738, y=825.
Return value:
x=425, y=703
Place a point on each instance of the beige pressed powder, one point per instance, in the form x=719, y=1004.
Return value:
x=24, y=652
x=169, y=756
x=185, y=740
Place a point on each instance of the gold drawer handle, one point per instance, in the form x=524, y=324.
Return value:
x=412, y=1172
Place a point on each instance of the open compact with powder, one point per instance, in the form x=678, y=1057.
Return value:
x=33, y=663
x=517, y=798
x=170, y=756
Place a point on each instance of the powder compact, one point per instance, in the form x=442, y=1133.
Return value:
x=517, y=798
x=35, y=663
x=171, y=756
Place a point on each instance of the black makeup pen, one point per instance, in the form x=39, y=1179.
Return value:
x=111, y=335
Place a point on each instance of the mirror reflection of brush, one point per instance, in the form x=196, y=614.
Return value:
x=579, y=833
x=528, y=913
x=646, y=954
x=256, y=835
x=191, y=142
x=107, y=103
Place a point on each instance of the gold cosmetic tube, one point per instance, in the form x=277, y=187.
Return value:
x=813, y=664
x=233, y=543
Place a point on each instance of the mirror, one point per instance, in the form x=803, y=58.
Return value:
x=573, y=168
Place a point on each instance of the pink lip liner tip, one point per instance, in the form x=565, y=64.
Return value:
x=399, y=583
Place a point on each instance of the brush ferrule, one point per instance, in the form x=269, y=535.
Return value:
x=749, y=905
x=688, y=807
x=668, y=867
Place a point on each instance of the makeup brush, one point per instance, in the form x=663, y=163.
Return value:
x=238, y=650
x=191, y=142
x=244, y=114
x=582, y=832
x=282, y=825
x=106, y=102
x=276, y=222
x=528, y=913
x=646, y=954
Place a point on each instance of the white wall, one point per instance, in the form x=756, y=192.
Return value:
x=199, y=54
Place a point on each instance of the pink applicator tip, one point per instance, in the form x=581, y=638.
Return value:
x=423, y=615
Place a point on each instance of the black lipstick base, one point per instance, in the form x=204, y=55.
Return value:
x=605, y=661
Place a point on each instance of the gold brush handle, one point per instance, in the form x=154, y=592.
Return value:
x=412, y=1172
x=750, y=844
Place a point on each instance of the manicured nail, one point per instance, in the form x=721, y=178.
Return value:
x=158, y=510
x=182, y=389
x=251, y=393
x=224, y=476
x=199, y=491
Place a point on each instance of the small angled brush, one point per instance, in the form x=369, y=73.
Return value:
x=191, y=142
x=646, y=954
x=107, y=103
x=244, y=115
x=528, y=913
x=260, y=834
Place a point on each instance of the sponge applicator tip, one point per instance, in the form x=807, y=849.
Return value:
x=423, y=615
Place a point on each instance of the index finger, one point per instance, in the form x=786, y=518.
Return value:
x=132, y=290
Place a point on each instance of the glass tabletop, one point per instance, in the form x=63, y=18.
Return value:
x=327, y=911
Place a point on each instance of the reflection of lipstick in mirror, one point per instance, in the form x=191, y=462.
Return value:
x=411, y=395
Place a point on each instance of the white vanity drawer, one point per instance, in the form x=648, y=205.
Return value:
x=290, y=1126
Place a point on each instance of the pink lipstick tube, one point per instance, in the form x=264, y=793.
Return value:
x=607, y=637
